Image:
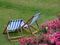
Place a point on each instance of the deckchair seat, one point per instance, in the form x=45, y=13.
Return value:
x=15, y=24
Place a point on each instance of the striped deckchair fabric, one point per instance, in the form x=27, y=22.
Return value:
x=14, y=24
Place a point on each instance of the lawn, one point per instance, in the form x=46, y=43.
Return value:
x=24, y=9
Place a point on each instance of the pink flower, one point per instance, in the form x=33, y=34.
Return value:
x=22, y=44
x=43, y=25
x=52, y=40
x=57, y=43
x=43, y=44
x=55, y=37
x=43, y=34
x=27, y=38
x=49, y=31
x=50, y=25
x=54, y=22
x=21, y=40
x=31, y=41
x=47, y=38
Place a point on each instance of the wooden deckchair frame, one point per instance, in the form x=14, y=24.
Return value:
x=7, y=32
x=31, y=26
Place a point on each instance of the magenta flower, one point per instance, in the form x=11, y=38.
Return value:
x=21, y=40
x=43, y=25
x=22, y=43
x=47, y=38
x=50, y=25
x=27, y=38
x=55, y=37
x=49, y=31
x=31, y=41
x=57, y=43
x=37, y=37
x=43, y=44
x=52, y=40
x=43, y=34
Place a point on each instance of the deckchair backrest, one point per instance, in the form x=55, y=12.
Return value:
x=34, y=18
x=14, y=24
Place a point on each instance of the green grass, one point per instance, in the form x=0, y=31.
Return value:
x=24, y=9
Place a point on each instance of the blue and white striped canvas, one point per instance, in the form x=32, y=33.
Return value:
x=22, y=23
x=14, y=24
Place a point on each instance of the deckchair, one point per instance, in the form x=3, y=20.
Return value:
x=19, y=25
x=28, y=24
x=12, y=27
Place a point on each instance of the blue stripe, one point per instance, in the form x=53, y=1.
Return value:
x=14, y=24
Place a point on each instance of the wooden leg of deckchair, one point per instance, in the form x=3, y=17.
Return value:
x=35, y=29
x=14, y=40
x=37, y=24
x=18, y=31
x=21, y=29
x=10, y=38
x=16, y=37
x=4, y=31
x=8, y=35
x=30, y=29
x=5, y=27
x=35, y=32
